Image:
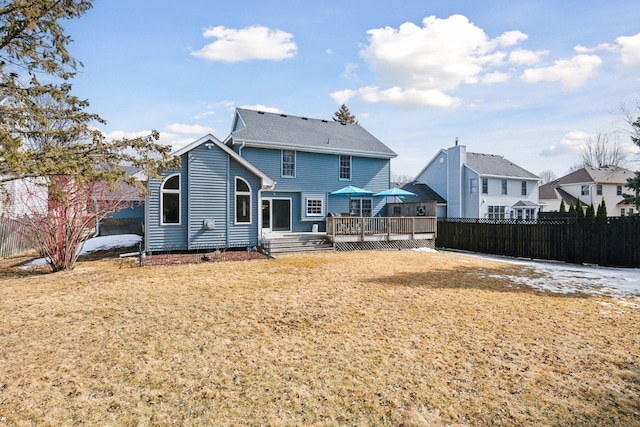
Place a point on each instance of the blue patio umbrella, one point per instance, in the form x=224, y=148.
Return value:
x=351, y=191
x=397, y=192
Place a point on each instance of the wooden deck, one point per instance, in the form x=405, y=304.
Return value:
x=381, y=229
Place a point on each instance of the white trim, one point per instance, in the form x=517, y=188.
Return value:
x=237, y=193
x=295, y=165
x=306, y=207
x=311, y=149
x=171, y=191
x=350, y=167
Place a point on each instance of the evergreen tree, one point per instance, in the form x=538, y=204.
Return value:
x=571, y=207
x=343, y=115
x=634, y=183
x=601, y=214
x=579, y=210
x=563, y=208
x=591, y=212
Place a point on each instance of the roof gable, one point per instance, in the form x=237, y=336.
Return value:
x=603, y=175
x=267, y=182
x=271, y=130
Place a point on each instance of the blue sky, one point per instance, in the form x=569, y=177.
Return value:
x=529, y=80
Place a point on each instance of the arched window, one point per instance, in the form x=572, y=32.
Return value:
x=170, y=200
x=243, y=202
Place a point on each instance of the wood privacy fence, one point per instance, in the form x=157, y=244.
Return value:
x=614, y=242
x=13, y=238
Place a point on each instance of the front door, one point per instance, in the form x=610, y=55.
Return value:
x=276, y=215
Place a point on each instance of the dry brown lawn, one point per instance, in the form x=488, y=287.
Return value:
x=358, y=339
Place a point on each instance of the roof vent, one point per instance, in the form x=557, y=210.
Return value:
x=324, y=121
x=343, y=123
x=283, y=115
x=304, y=118
x=260, y=112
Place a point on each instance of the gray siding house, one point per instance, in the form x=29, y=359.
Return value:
x=477, y=185
x=273, y=173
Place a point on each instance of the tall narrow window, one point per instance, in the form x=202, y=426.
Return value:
x=524, y=188
x=345, y=168
x=288, y=163
x=485, y=186
x=504, y=186
x=473, y=185
x=170, y=200
x=243, y=202
x=619, y=190
x=599, y=189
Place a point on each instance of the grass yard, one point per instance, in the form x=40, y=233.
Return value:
x=357, y=339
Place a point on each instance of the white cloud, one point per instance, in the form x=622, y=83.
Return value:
x=343, y=96
x=260, y=107
x=349, y=72
x=184, y=129
x=495, y=77
x=204, y=114
x=255, y=42
x=526, y=57
x=572, y=73
x=570, y=144
x=630, y=50
x=420, y=65
x=329, y=51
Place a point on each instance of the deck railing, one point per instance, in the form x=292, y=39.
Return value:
x=381, y=228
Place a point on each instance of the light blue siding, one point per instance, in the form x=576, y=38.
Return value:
x=208, y=169
x=166, y=236
x=243, y=234
x=316, y=176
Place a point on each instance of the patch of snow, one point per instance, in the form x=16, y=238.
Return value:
x=564, y=278
x=424, y=250
x=101, y=243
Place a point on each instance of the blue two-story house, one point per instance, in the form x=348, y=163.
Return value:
x=273, y=173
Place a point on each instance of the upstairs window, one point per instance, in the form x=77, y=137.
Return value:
x=473, y=185
x=584, y=190
x=288, y=163
x=504, y=186
x=345, y=168
x=599, y=189
x=619, y=190
x=170, y=201
x=485, y=186
x=524, y=188
x=243, y=202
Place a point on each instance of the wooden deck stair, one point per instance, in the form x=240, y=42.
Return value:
x=297, y=243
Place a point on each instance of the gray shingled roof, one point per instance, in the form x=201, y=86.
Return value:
x=606, y=174
x=551, y=191
x=423, y=192
x=491, y=164
x=303, y=133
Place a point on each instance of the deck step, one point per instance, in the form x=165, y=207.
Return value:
x=298, y=244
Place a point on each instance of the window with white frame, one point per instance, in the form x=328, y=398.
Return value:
x=314, y=207
x=495, y=212
x=524, y=188
x=243, y=201
x=619, y=190
x=599, y=189
x=485, y=186
x=504, y=186
x=170, y=200
x=473, y=185
x=345, y=168
x=622, y=212
x=584, y=190
x=360, y=207
x=288, y=163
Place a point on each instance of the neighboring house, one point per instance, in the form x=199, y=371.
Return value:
x=423, y=193
x=591, y=186
x=273, y=173
x=478, y=185
x=22, y=197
